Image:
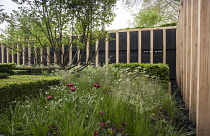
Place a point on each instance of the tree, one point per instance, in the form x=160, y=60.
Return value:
x=53, y=23
x=159, y=11
x=147, y=18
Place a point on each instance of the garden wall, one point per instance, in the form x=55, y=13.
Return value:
x=147, y=45
x=193, y=61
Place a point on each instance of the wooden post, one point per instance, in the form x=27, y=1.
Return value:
x=78, y=57
x=88, y=50
x=24, y=57
x=151, y=46
x=128, y=47
x=107, y=51
x=48, y=56
x=164, y=46
x=203, y=103
x=2, y=53
x=8, y=55
x=117, y=47
x=97, y=53
x=188, y=53
x=41, y=56
x=70, y=51
x=29, y=53
x=194, y=58
x=139, y=46
x=18, y=56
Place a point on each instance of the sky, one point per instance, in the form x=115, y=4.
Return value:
x=122, y=20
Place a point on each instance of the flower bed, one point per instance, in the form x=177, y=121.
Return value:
x=95, y=102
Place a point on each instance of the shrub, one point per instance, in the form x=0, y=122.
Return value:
x=3, y=75
x=21, y=72
x=16, y=87
x=36, y=70
x=7, y=68
x=159, y=70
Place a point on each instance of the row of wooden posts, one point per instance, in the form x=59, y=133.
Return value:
x=7, y=59
x=193, y=61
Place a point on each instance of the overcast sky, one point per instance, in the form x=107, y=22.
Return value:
x=122, y=19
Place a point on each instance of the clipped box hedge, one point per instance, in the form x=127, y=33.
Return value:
x=16, y=87
x=7, y=68
x=159, y=70
x=36, y=70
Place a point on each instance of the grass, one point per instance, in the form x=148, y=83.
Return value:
x=126, y=103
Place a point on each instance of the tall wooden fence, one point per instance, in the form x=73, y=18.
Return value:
x=193, y=61
x=147, y=45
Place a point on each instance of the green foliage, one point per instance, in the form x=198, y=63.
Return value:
x=51, y=23
x=156, y=12
x=131, y=102
x=148, y=17
x=16, y=87
x=36, y=70
x=160, y=71
x=7, y=68
x=21, y=72
x=3, y=75
x=168, y=24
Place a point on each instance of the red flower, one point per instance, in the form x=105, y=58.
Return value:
x=102, y=124
x=49, y=97
x=70, y=84
x=96, y=85
x=123, y=123
x=73, y=89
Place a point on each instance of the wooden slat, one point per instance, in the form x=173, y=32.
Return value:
x=151, y=46
x=24, y=57
x=29, y=53
x=128, y=47
x=78, y=57
x=97, y=53
x=18, y=56
x=139, y=46
x=117, y=47
x=48, y=56
x=194, y=58
x=203, y=118
x=41, y=56
x=88, y=50
x=2, y=53
x=70, y=51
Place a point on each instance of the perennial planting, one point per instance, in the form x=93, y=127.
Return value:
x=96, y=102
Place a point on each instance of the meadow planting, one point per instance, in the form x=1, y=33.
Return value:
x=96, y=102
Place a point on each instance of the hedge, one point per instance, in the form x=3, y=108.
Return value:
x=159, y=70
x=36, y=70
x=7, y=68
x=16, y=87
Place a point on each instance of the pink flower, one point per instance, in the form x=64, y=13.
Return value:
x=61, y=84
x=96, y=85
x=73, y=89
x=49, y=97
x=70, y=84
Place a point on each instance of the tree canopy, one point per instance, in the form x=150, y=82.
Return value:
x=51, y=23
x=154, y=12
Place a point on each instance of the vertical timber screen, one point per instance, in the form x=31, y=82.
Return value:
x=193, y=61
